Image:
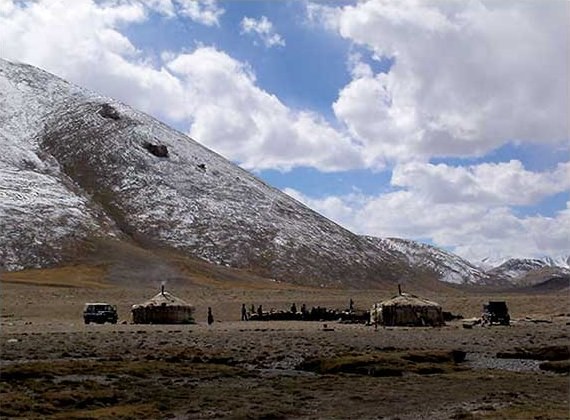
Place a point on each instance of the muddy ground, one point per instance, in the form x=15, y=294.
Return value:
x=53, y=366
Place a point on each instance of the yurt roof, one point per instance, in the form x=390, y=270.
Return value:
x=164, y=299
x=406, y=299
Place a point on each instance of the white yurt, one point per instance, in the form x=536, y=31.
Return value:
x=164, y=308
x=406, y=309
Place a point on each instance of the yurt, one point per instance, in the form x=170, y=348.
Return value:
x=408, y=310
x=164, y=308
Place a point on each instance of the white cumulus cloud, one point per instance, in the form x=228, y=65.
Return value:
x=467, y=76
x=263, y=28
x=206, y=12
x=464, y=209
x=236, y=118
x=506, y=183
x=213, y=94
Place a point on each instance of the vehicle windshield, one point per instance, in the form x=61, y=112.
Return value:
x=97, y=308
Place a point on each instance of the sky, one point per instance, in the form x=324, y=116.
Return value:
x=442, y=121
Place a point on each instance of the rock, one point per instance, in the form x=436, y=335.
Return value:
x=107, y=111
x=159, y=150
x=458, y=355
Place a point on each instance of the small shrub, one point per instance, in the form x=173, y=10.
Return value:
x=559, y=366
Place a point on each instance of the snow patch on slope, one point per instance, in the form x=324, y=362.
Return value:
x=449, y=268
x=40, y=208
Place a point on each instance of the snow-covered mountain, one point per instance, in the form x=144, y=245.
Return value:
x=562, y=261
x=449, y=267
x=529, y=271
x=490, y=263
x=77, y=168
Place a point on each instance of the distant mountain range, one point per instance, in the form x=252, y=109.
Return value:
x=546, y=261
x=77, y=169
x=529, y=272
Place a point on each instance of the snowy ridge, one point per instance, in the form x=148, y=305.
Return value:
x=562, y=261
x=449, y=267
x=523, y=271
x=72, y=172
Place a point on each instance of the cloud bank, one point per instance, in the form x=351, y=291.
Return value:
x=467, y=210
x=467, y=77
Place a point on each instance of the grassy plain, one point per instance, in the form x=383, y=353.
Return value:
x=54, y=366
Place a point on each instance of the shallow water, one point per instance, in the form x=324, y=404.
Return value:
x=486, y=361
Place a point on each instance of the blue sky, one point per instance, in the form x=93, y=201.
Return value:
x=440, y=121
x=305, y=74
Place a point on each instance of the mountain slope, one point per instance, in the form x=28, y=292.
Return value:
x=447, y=267
x=79, y=169
x=79, y=166
x=43, y=214
x=528, y=272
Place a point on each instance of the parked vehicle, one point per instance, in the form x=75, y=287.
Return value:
x=496, y=313
x=100, y=313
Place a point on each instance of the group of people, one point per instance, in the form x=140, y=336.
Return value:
x=246, y=315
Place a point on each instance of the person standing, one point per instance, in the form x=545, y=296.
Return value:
x=210, y=316
x=243, y=312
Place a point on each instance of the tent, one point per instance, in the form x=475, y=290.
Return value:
x=407, y=309
x=164, y=308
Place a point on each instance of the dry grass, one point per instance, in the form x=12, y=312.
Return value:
x=559, y=366
x=126, y=411
x=71, y=276
x=392, y=363
x=133, y=389
x=59, y=368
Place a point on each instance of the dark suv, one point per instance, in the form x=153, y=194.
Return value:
x=496, y=313
x=100, y=313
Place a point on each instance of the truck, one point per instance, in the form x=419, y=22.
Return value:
x=496, y=312
x=100, y=313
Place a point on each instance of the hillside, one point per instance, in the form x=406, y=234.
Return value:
x=529, y=272
x=448, y=267
x=78, y=167
x=79, y=170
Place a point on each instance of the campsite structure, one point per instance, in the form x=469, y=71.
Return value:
x=164, y=308
x=406, y=309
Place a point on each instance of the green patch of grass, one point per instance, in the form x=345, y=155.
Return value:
x=14, y=404
x=81, y=398
x=385, y=363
